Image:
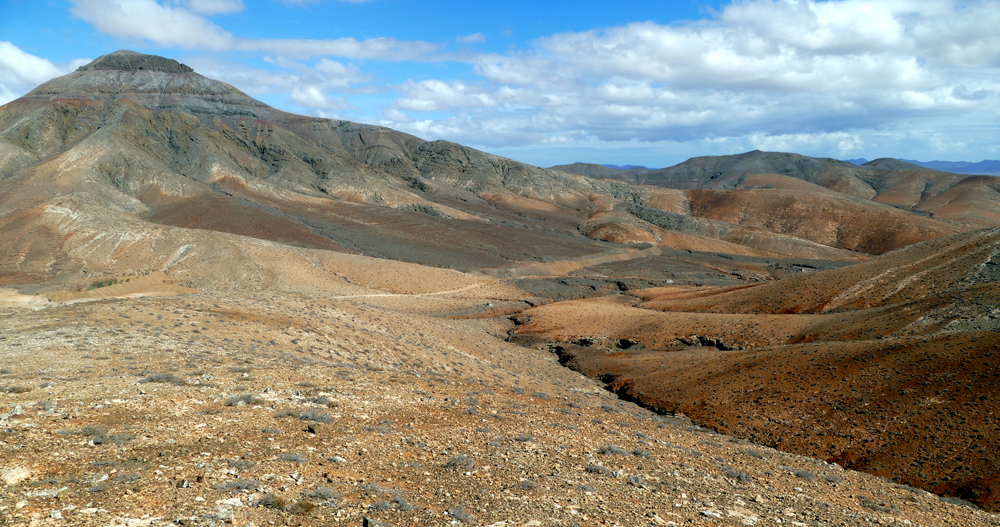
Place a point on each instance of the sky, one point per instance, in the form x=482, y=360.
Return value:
x=550, y=82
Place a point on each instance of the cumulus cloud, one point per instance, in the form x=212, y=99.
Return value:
x=186, y=26
x=475, y=37
x=774, y=74
x=21, y=71
x=215, y=7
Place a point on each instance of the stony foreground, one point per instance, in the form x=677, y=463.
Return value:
x=212, y=409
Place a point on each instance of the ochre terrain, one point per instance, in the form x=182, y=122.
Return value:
x=214, y=312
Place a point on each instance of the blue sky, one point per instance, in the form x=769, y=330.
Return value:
x=550, y=82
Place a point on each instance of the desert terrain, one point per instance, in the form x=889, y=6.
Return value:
x=213, y=312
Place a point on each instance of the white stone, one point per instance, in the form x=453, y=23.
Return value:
x=15, y=475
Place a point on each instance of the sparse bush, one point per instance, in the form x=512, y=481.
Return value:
x=755, y=454
x=954, y=500
x=598, y=469
x=307, y=415
x=15, y=389
x=99, y=487
x=126, y=477
x=732, y=473
x=877, y=506
x=94, y=430
x=301, y=507
x=241, y=464
x=272, y=431
x=832, y=478
x=522, y=438
x=636, y=481
x=397, y=503
x=239, y=484
x=293, y=458
x=165, y=378
x=378, y=429
x=324, y=493
x=459, y=513
x=805, y=474
x=527, y=485
x=610, y=449
x=610, y=409
x=541, y=395
x=272, y=501
x=244, y=399
x=585, y=488
x=645, y=454
x=462, y=462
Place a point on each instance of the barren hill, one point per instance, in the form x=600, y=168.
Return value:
x=884, y=365
x=214, y=312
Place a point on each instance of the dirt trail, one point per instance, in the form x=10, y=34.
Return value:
x=438, y=293
x=564, y=267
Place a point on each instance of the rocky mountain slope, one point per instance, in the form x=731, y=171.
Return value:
x=886, y=366
x=217, y=312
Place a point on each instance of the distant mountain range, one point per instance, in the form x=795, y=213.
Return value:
x=988, y=167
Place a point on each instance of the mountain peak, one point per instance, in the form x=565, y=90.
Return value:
x=125, y=60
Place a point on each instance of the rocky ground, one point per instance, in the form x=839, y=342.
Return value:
x=217, y=409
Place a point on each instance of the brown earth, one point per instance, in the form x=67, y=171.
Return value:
x=887, y=366
x=216, y=312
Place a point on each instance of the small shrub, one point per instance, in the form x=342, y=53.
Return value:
x=462, y=462
x=585, y=488
x=242, y=400
x=459, y=513
x=126, y=477
x=272, y=431
x=732, y=473
x=301, y=507
x=165, y=378
x=241, y=464
x=397, y=503
x=598, y=469
x=876, y=506
x=527, y=485
x=100, y=284
x=645, y=454
x=99, y=487
x=755, y=454
x=94, y=430
x=832, y=478
x=610, y=449
x=806, y=475
x=293, y=458
x=610, y=409
x=324, y=493
x=522, y=438
x=239, y=484
x=308, y=415
x=15, y=389
x=637, y=481
x=272, y=501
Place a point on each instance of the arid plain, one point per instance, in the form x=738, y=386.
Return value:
x=215, y=312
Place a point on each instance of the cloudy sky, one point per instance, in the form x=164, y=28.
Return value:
x=551, y=81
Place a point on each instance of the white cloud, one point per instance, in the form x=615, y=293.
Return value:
x=20, y=71
x=780, y=73
x=215, y=7
x=468, y=39
x=150, y=20
x=186, y=27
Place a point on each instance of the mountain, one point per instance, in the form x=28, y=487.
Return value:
x=987, y=167
x=884, y=366
x=940, y=195
x=182, y=266
x=858, y=161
